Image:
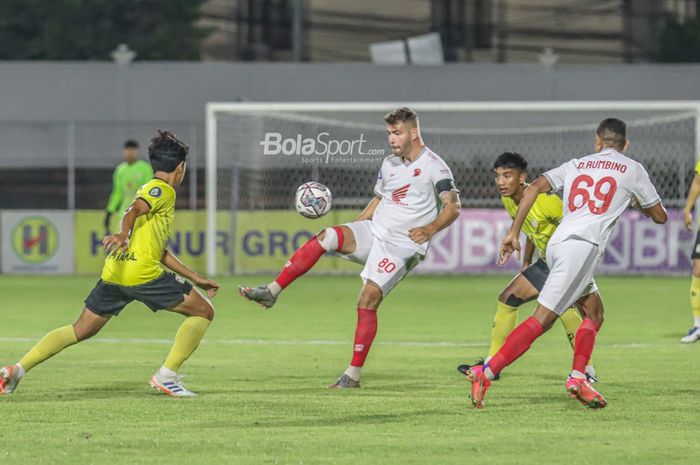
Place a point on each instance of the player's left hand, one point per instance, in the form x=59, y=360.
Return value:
x=206, y=284
x=421, y=234
x=510, y=244
x=688, y=219
x=116, y=242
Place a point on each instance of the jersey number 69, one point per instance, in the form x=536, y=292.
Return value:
x=603, y=191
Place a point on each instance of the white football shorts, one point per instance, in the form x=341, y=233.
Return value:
x=385, y=263
x=571, y=266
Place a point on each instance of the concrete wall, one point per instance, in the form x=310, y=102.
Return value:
x=104, y=92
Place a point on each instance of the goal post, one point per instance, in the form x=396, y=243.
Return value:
x=257, y=153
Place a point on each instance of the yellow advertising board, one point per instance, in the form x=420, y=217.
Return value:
x=262, y=242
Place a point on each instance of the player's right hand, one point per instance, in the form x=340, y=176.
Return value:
x=206, y=284
x=688, y=219
x=510, y=244
x=116, y=242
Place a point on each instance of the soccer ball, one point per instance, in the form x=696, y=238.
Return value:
x=313, y=200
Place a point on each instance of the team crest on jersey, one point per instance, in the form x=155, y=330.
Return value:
x=416, y=172
x=399, y=194
x=155, y=192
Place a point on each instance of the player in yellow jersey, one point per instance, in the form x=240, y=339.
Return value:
x=510, y=171
x=694, y=333
x=135, y=270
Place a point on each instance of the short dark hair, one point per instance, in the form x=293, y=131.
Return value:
x=131, y=144
x=613, y=133
x=510, y=160
x=403, y=114
x=166, y=151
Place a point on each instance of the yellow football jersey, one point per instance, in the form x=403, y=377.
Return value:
x=141, y=262
x=697, y=168
x=542, y=220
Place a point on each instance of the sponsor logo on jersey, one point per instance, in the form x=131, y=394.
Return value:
x=155, y=192
x=122, y=256
x=399, y=194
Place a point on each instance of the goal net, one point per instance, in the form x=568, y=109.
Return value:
x=259, y=153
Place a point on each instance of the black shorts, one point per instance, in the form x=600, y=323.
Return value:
x=166, y=291
x=537, y=274
x=696, y=248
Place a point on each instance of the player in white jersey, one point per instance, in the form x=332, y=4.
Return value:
x=391, y=235
x=596, y=191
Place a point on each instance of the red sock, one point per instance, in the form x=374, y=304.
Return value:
x=300, y=262
x=517, y=343
x=304, y=259
x=583, y=344
x=364, y=335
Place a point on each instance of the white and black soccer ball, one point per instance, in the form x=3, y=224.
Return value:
x=313, y=200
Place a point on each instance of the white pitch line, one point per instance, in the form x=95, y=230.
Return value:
x=272, y=342
x=292, y=342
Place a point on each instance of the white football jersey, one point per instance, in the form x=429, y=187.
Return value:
x=409, y=195
x=596, y=191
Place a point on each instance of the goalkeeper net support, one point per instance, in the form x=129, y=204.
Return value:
x=258, y=153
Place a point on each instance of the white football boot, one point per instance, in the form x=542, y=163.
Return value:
x=171, y=386
x=693, y=335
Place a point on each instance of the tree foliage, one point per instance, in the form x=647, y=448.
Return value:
x=91, y=29
x=680, y=42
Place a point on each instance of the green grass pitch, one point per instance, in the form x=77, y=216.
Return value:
x=262, y=376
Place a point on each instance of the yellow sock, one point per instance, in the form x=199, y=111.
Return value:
x=695, y=296
x=503, y=323
x=50, y=345
x=187, y=339
x=571, y=320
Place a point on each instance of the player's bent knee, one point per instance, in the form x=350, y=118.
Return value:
x=88, y=324
x=209, y=313
x=510, y=299
x=83, y=333
x=329, y=239
x=206, y=310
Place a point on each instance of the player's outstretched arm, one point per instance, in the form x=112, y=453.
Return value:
x=511, y=243
x=368, y=212
x=451, y=205
x=693, y=195
x=171, y=261
x=120, y=241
